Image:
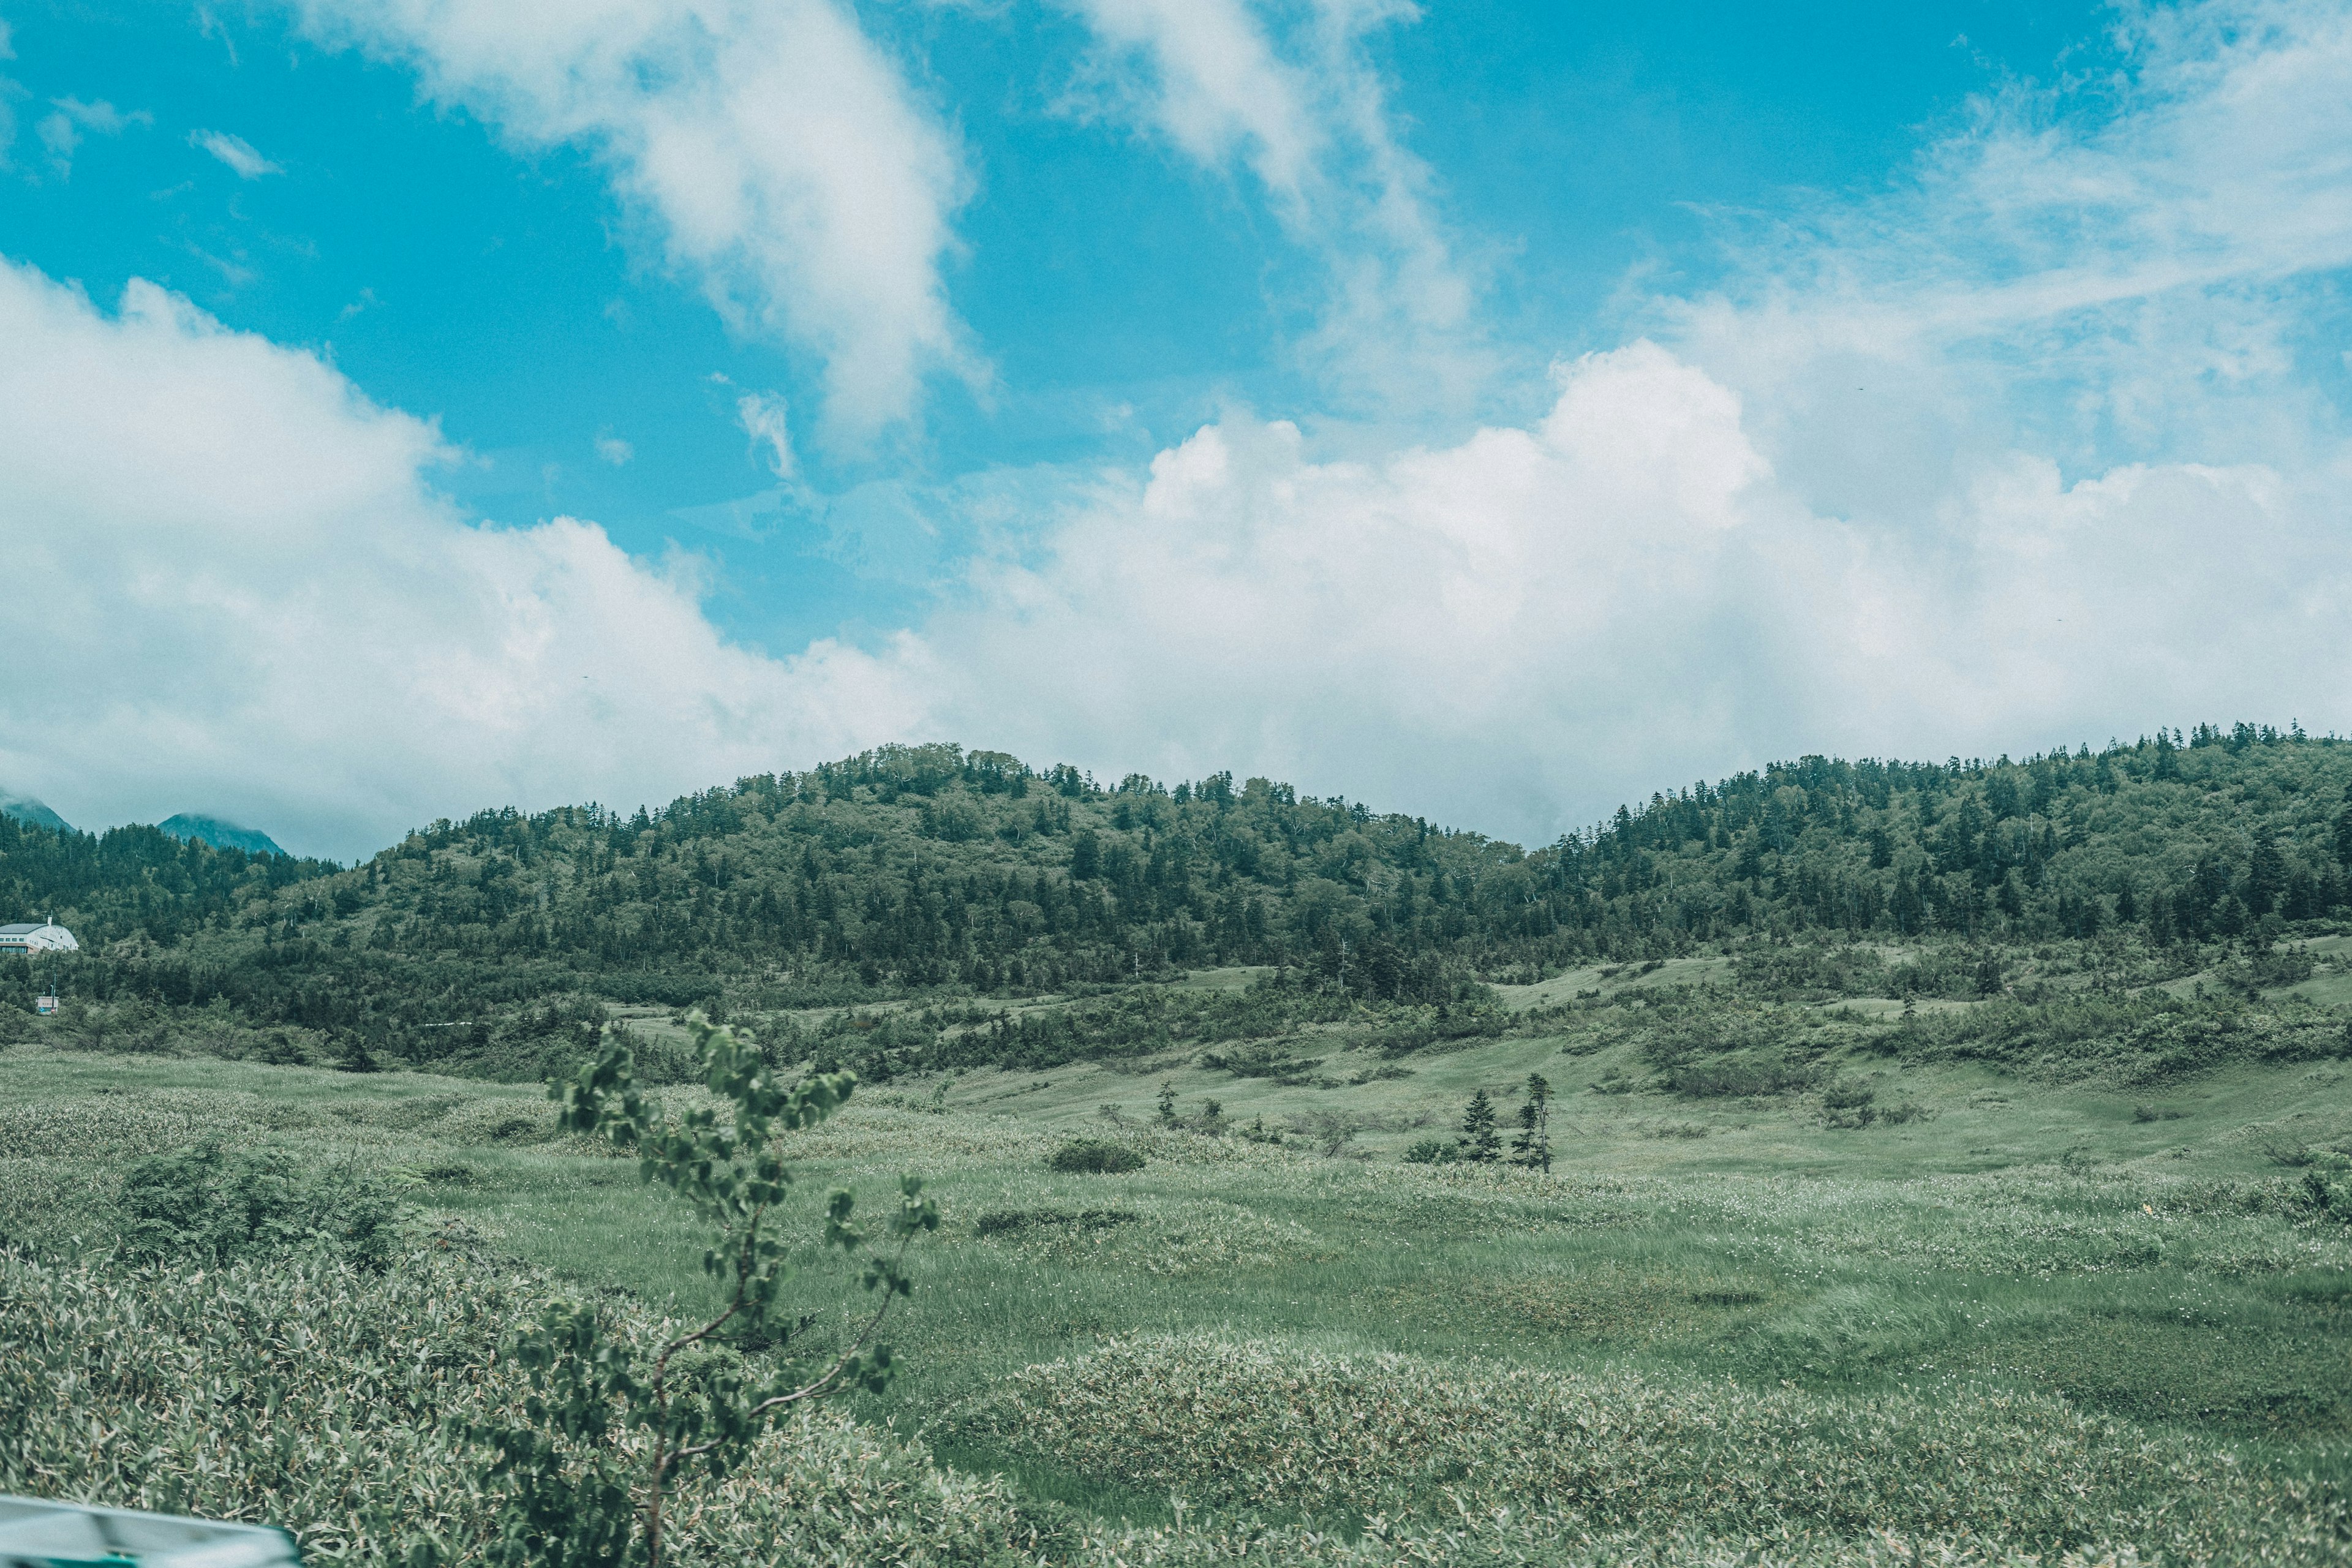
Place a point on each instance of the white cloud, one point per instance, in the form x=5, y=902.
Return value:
x=235, y=152
x=242, y=594
x=2038, y=446
x=762, y=419
x=1518, y=631
x=773, y=148
x=614, y=451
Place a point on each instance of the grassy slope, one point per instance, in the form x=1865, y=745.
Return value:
x=2001, y=1238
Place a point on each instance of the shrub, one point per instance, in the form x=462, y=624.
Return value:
x=614, y=1425
x=214, y=1206
x=1723, y=1078
x=1092, y=1155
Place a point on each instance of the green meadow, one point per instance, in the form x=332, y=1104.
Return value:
x=2028, y=1316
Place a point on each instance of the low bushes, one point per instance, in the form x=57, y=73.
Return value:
x=1095, y=1156
x=1261, y=1427
x=214, y=1206
x=299, y=1391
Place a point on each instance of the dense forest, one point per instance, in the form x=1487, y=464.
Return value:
x=931, y=873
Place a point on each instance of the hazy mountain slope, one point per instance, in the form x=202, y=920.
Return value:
x=220, y=835
x=25, y=808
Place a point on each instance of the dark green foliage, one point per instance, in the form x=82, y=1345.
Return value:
x=1532, y=1146
x=1479, y=1142
x=485, y=946
x=1742, y=1076
x=1092, y=1155
x=217, y=1206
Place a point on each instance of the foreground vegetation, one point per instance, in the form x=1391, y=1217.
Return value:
x=2031, y=1322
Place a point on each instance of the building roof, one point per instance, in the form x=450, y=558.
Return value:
x=45, y=935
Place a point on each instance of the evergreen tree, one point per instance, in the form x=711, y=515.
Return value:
x=2266, y=879
x=1479, y=1141
x=1532, y=1147
x=1167, y=1105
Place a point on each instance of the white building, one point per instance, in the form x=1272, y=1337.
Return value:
x=46, y=937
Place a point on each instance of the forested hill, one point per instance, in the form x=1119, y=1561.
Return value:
x=915, y=870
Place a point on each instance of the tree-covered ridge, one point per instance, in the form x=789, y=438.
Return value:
x=134, y=880
x=924, y=867
x=2187, y=838
x=932, y=872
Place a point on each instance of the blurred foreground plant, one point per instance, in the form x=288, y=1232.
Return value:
x=611, y=1427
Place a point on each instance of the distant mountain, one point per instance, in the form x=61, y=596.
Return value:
x=25, y=808
x=220, y=835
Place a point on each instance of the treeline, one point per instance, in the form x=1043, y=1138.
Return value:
x=2214, y=834
x=929, y=871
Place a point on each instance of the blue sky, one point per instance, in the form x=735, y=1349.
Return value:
x=1494, y=410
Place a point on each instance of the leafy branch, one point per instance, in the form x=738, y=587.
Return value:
x=580, y=1494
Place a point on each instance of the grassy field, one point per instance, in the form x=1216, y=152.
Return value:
x=2032, y=1316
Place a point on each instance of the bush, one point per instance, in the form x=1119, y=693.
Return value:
x=215, y=1206
x=1095, y=1156
x=1705, y=1080
x=295, y=1390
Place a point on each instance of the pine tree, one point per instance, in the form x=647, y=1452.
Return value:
x=1479, y=1141
x=2266, y=877
x=1532, y=1147
x=1167, y=1105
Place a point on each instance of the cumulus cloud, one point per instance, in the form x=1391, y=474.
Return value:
x=235, y=152
x=240, y=593
x=2042, y=443
x=1520, y=630
x=773, y=148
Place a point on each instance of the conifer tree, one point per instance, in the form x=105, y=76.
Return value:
x=1532, y=1147
x=1479, y=1141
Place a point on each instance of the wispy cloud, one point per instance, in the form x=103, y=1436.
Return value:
x=63, y=130
x=775, y=152
x=235, y=152
x=614, y=451
x=762, y=415
x=1298, y=107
